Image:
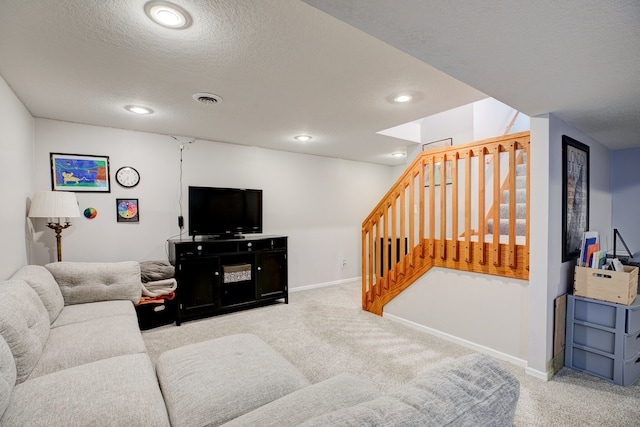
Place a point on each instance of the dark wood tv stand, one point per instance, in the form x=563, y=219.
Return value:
x=222, y=275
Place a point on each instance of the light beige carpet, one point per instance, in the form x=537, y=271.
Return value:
x=324, y=332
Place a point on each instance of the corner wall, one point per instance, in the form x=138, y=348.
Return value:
x=625, y=186
x=16, y=179
x=318, y=202
x=549, y=277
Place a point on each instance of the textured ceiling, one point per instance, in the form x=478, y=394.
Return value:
x=579, y=60
x=282, y=68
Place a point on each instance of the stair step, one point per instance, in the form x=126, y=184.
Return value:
x=521, y=210
x=521, y=226
x=521, y=195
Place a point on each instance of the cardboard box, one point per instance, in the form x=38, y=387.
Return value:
x=620, y=287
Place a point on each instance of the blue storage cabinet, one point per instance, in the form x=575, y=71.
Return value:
x=603, y=339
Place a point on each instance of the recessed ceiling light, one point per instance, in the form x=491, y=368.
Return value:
x=398, y=154
x=303, y=138
x=402, y=98
x=168, y=14
x=138, y=109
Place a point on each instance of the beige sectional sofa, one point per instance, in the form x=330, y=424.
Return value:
x=71, y=354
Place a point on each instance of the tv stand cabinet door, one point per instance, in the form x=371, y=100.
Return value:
x=272, y=275
x=198, y=285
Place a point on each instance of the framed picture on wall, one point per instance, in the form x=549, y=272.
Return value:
x=575, y=196
x=80, y=172
x=127, y=210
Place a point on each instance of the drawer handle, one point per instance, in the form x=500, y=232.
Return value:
x=159, y=308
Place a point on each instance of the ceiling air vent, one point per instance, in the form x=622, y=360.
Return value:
x=207, y=98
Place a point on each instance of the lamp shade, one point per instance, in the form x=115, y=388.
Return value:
x=54, y=204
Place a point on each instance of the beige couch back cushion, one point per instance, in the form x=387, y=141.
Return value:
x=45, y=285
x=24, y=324
x=83, y=282
x=7, y=375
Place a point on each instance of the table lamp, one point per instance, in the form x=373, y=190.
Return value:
x=57, y=207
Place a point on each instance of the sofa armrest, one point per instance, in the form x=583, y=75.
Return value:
x=84, y=282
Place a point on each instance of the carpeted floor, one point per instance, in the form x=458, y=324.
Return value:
x=324, y=332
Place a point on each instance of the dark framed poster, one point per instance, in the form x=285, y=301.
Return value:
x=575, y=196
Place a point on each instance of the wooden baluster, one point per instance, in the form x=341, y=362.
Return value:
x=364, y=267
x=394, y=252
x=454, y=205
x=443, y=208
x=432, y=208
x=385, y=246
x=377, y=257
x=412, y=197
x=421, y=209
x=482, y=164
x=497, y=197
x=403, y=234
x=512, y=205
x=467, y=205
x=527, y=149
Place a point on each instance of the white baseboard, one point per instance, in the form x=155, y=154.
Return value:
x=462, y=342
x=324, y=284
x=537, y=374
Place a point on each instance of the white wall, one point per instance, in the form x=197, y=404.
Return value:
x=549, y=277
x=16, y=176
x=318, y=202
x=491, y=118
x=479, y=311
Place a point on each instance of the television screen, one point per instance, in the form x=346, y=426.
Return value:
x=224, y=211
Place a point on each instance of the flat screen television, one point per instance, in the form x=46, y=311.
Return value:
x=224, y=212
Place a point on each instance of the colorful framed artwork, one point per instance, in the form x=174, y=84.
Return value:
x=127, y=210
x=575, y=196
x=80, y=173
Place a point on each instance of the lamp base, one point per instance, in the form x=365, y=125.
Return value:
x=57, y=227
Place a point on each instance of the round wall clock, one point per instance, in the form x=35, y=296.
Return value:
x=127, y=177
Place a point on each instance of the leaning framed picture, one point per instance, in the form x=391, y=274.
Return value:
x=575, y=196
x=80, y=172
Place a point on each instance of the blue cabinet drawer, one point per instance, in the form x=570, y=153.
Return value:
x=595, y=338
x=593, y=363
x=633, y=316
x=631, y=345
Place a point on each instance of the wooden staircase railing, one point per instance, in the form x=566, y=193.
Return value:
x=440, y=193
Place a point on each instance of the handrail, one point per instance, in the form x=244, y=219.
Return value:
x=411, y=249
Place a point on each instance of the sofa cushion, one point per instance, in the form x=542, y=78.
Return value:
x=384, y=411
x=7, y=375
x=120, y=391
x=212, y=382
x=85, y=342
x=94, y=310
x=82, y=282
x=472, y=390
x=41, y=280
x=24, y=324
x=341, y=391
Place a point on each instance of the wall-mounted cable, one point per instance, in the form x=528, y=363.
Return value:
x=180, y=197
